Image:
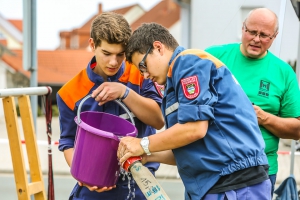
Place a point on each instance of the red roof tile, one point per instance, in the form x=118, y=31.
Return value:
x=122, y=11
x=3, y=42
x=85, y=28
x=54, y=67
x=166, y=13
x=18, y=23
x=59, y=66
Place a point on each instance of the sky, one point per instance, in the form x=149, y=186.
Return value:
x=54, y=16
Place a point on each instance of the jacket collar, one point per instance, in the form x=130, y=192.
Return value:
x=177, y=51
x=99, y=79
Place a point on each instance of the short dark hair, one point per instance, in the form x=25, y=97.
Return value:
x=111, y=27
x=144, y=36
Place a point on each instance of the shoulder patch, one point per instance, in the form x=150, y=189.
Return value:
x=190, y=87
x=160, y=89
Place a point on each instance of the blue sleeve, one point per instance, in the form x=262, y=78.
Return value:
x=148, y=90
x=194, y=89
x=68, y=126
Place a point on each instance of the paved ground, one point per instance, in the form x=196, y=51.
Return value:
x=167, y=175
x=63, y=185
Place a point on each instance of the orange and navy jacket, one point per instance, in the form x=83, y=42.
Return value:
x=71, y=94
x=200, y=88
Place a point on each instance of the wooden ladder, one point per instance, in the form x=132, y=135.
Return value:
x=24, y=188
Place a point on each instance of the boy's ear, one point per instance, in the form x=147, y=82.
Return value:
x=159, y=46
x=92, y=44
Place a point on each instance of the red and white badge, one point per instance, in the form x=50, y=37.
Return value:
x=160, y=89
x=190, y=87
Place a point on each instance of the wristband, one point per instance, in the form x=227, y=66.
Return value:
x=125, y=94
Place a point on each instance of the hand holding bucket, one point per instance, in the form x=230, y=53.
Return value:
x=95, y=160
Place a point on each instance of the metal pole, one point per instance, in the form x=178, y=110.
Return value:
x=280, y=25
x=30, y=50
x=25, y=91
x=292, y=157
x=185, y=18
x=185, y=9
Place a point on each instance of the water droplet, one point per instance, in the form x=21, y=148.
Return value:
x=131, y=192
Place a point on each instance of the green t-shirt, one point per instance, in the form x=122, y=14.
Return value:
x=269, y=82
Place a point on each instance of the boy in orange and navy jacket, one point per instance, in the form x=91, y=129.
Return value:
x=108, y=77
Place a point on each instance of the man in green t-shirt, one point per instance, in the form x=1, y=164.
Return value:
x=269, y=82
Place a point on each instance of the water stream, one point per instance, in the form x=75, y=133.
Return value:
x=124, y=174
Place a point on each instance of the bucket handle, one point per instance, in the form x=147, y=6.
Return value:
x=116, y=100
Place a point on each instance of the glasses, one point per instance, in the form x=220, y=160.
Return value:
x=262, y=36
x=142, y=65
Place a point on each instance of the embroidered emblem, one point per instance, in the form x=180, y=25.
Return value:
x=160, y=89
x=190, y=87
x=264, y=88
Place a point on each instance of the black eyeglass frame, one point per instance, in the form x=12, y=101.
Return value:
x=142, y=66
x=255, y=33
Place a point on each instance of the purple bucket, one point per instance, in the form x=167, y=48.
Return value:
x=95, y=160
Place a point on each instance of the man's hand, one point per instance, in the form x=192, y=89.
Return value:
x=129, y=147
x=262, y=116
x=286, y=128
x=108, y=91
x=95, y=188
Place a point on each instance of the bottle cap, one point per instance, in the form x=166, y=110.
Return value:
x=127, y=164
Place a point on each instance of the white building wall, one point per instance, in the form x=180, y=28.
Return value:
x=3, y=69
x=2, y=84
x=133, y=14
x=175, y=30
x=290, y=35
x=13, y=36
x=218, y=22
x=12, y=43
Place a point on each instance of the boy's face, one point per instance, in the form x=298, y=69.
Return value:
x=152, y=65
x=109, y=58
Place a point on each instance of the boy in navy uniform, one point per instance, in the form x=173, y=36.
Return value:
x=212, y=134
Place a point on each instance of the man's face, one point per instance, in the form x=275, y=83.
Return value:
x=257, y=36
x=109, y=58
x=151, y=65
